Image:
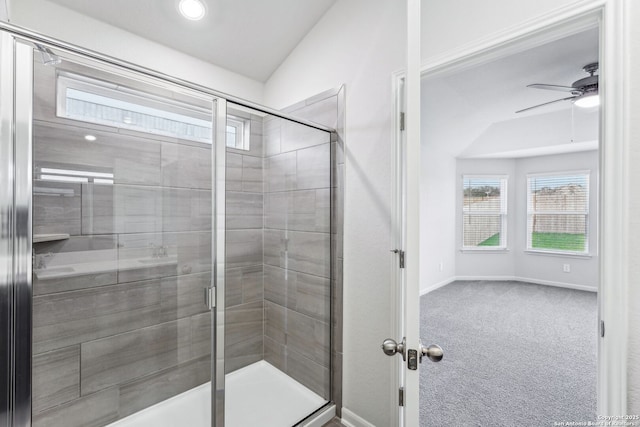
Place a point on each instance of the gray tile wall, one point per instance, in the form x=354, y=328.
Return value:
x=244, y=287
x=278, y=250
x=297, y=251
x=329, y=109
x=119, y=321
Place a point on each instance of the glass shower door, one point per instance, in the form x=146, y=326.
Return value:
x=128, y=212
x=277, y=341
x=122, y=247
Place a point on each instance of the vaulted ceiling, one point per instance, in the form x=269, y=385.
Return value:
x=249, y=37
x=473, y=110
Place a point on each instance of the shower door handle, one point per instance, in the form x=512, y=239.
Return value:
x=210, y=297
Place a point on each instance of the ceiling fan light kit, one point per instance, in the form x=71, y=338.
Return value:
x=584, y=91
x=587, y=100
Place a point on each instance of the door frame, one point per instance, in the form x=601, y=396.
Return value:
x=608, y=15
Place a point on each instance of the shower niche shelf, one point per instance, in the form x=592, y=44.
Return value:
x=40, y=238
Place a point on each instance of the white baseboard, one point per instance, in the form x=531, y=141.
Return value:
x=437, y=285
x=497, y=278
x=530, y=280
x=350, y=419
x=558, y=284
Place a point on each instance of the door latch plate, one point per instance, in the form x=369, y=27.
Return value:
x=401, y=256
x=412, y=359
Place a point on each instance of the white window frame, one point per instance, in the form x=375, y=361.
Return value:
x=586, y=213
x=242, y=128
x=503, y=212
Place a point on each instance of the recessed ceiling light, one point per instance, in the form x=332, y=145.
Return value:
x=192, y=9
x=90, y=138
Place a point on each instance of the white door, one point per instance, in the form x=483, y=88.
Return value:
x=407, y=231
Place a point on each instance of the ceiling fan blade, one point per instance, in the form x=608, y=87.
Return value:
x=554, y=87
x=546, y=103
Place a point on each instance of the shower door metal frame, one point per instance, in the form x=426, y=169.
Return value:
x=16, y=65
x=16, y=53
x=219, y=266
x=7, y=215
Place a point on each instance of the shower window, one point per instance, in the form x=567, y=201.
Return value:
x=238, y=132
x=90, y=100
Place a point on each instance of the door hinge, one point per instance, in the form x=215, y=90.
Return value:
x=401, y=396
x=401, y=121
x=210, y=297
x=401, y=257
x=602, y=328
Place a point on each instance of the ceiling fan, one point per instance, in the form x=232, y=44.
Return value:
x=584, y=92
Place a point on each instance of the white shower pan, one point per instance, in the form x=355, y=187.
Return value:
x=258, y=394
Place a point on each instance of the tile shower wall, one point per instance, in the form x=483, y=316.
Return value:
x=244, y=341
x=297, y=276
x=278, y=251
x=119, y=322
x=327, y=108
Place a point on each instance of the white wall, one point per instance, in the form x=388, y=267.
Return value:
x=450, y=24
x=4, y=12
x=359, y=43
x=64, y=24
x=516, y=262
x=437, y=204
x=584, y=271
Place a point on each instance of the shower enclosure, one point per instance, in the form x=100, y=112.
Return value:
x=166, y=251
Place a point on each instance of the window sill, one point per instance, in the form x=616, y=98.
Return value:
x=484, y=251
x=558, y=254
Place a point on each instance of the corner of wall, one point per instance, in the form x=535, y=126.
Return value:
x=425, y=288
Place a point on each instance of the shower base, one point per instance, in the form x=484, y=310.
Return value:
x=258, y=394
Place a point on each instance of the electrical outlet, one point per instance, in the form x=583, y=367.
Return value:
x=441, y=266
x=566, y=268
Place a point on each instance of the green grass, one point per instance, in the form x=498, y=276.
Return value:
x=491, y=241
x=559, y=241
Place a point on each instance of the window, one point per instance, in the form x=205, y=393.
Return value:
x=238, y=132
x=89, y=100
x=558, y=212
x=484, y=212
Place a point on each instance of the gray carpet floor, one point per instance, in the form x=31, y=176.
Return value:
x=515, y=354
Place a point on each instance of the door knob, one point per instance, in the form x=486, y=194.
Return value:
x=391, y=347
x=433, y=352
